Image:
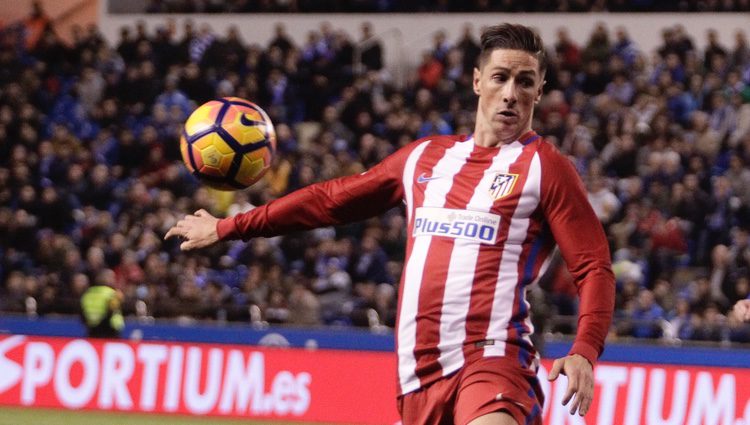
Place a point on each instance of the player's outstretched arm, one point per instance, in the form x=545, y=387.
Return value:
x=198, y=230
x=742, y=310
x=580, y=375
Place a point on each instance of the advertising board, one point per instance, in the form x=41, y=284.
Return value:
x=324, y=385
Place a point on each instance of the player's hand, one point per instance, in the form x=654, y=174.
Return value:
x=742, y=310
x=198, y=230
x=580, y=375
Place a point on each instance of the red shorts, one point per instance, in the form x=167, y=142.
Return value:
x=491, y=384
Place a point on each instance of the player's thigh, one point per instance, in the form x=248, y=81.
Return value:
x=498, y=389
x=431, y=405
x=495, y=418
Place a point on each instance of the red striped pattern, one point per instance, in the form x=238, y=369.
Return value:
x=483, y=304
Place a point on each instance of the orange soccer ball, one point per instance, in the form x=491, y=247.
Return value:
x=228, y=143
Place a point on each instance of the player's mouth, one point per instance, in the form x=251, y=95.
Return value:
x=507, y=116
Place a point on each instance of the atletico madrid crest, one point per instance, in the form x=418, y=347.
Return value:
x=503, y=185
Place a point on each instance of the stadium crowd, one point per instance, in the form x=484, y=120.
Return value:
x=441, y=6
x=91, y=179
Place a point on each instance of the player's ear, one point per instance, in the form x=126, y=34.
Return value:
x=477, y=75
x=539, y=92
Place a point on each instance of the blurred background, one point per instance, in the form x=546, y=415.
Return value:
x=653, y=108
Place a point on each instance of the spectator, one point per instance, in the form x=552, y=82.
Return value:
x=371, y=263
x=598, y=48
x=605, y=203
x=621, y=89
x=372, y=51
x=594, y=79
x=173, y=97
x=198, y=45
x=624, y=47
x=440, y=46
x=281, y=39
x=304, y=306
x=194, y=85
x=469, y=48
x=714, y=49
x=683, y=322
x=430, y=71
x=740, y=56
x=713, y=325
x=36, y=25
x=567, y=51
x=332, y=289
x=647, y=316
x=100, y=305
x=276, y=310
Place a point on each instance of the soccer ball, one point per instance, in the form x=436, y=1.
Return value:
x=228, y=143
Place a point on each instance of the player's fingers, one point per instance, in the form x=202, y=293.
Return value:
x=555, y=371
x=585, y=405
x=182, y=224
x=201, y=213
x=181, y=227
x=575, y=404
x=584, y=396
x=187, y=245
x=177, y=230
x=580, y=402
x=573, y=383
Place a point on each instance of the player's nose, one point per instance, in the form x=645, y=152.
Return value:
x=509, y=92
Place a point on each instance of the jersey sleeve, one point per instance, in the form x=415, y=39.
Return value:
x=583, y=246
x=337, y=201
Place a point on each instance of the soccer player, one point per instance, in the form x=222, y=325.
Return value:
x=484, y=213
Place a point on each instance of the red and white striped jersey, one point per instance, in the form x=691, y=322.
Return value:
x=482, y=222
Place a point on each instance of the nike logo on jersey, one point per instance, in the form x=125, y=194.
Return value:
x=424, y=179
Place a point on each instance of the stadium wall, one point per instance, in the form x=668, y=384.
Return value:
x=406, y=36
x=230, y=374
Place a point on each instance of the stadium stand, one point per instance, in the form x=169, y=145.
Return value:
x=442, y=6
x=90, y=175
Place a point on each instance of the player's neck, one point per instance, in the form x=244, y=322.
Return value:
x=485, y=137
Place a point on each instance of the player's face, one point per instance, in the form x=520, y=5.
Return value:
x=508, y=84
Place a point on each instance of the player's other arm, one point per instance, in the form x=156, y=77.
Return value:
x=337, y=201
x=583, y=245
